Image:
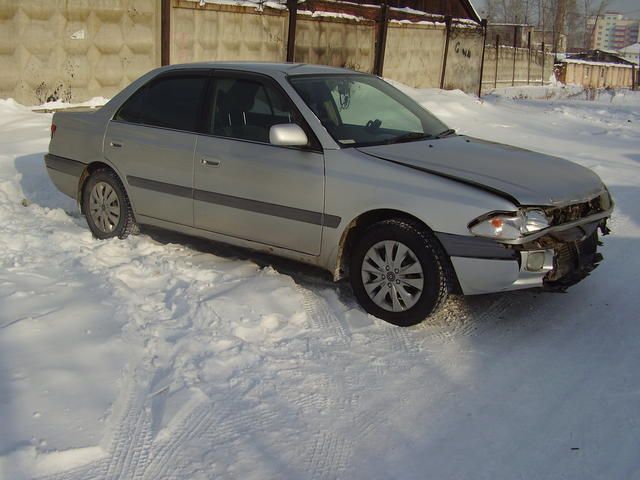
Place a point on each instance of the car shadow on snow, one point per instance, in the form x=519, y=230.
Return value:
x=37, y=186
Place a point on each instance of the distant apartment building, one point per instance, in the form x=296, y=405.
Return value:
x=611, y=31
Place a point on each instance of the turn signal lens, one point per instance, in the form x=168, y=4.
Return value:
x=53, y=129
x=504, y=226
x=509, y=225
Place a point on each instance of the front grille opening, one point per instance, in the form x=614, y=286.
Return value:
x=570, y=213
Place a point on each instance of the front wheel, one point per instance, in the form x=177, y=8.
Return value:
x=106, y=206
x=397, y=272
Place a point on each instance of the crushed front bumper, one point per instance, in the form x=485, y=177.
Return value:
x=555, y=260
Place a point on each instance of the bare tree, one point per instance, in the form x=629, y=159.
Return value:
x=593, y=9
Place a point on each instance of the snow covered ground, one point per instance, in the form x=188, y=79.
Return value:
x=168, y=357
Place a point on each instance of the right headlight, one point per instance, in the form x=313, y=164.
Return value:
x=509, y=225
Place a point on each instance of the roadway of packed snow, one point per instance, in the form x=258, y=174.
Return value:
x=167, y=357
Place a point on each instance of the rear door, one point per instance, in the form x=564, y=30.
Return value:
x=151, y=140
x=244, y=186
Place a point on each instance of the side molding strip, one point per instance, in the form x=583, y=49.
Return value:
x=272, y=209
x=64, y=165
x=161, y=187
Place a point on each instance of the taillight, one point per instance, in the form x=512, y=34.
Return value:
x=53, y=129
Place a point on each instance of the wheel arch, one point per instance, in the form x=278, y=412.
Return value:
x=90, y=169
x=359, y=225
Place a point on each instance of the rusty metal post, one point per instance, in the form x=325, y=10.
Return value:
x=381, y=40
x=515, y=50
x=292, y=5
x=543, y=55
x=165, y=32
x=447, y=22
x=529, y=57
x=495, y=78
x=483, y=23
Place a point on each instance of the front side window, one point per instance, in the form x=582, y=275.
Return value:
x=359, y=110
x=168, y=102
x=247, y=109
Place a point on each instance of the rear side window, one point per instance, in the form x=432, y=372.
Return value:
x=247, y=109
x=170, y=102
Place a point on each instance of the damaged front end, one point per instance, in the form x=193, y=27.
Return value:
x=571, y=241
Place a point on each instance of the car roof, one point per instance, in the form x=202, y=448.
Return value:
x=267, y=68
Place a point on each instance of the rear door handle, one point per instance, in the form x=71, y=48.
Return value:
x=210, y=162
x=115, y=144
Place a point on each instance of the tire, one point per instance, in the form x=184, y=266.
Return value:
x=106, y=206
x=370, y=271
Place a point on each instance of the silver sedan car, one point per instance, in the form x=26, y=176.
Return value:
x=333, y=168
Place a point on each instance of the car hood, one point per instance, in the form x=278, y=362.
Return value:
x=523, y=176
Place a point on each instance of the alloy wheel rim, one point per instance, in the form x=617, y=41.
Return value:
x=104, y=207
x=392, y=276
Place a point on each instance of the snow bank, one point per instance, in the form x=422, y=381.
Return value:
x=168, y=357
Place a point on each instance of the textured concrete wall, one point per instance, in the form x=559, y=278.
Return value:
x=527, y=70
x=463, y=60
x=225, y=32
x=414, y=53
x=75, y=49
x=336, y=42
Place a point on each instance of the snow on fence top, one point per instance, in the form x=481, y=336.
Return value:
x=594, y=63
x=408, y=12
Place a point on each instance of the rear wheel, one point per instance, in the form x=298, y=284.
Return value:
x=106, y=206
x=397, y=272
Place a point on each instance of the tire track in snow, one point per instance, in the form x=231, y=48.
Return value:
x=322, y=317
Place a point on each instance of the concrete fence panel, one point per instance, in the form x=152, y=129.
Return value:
x=226, y=32
x=73, y=50
x=414, y=54
x=463, y=59
x=335, y=41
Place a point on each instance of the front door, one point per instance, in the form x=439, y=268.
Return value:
x=244, y=186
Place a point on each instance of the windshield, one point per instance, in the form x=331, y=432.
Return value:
x=360, y=110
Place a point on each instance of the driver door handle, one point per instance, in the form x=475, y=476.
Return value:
x=210, y=162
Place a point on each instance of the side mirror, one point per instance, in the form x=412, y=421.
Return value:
x=288, y=135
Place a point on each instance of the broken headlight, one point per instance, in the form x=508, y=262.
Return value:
x=509, y=225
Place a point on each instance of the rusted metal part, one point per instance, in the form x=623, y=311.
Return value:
x=381, y=40
x=165, y=32
x=543, y=57
x=528, y=57
x=447, y=22
x=483, y=24
x=292, y=6
x=495, y=78
x=515, y=52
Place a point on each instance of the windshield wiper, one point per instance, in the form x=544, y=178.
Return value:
x=446, y=133
x=408, y=137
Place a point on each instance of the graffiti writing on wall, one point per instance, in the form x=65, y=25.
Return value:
x=462, y=51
